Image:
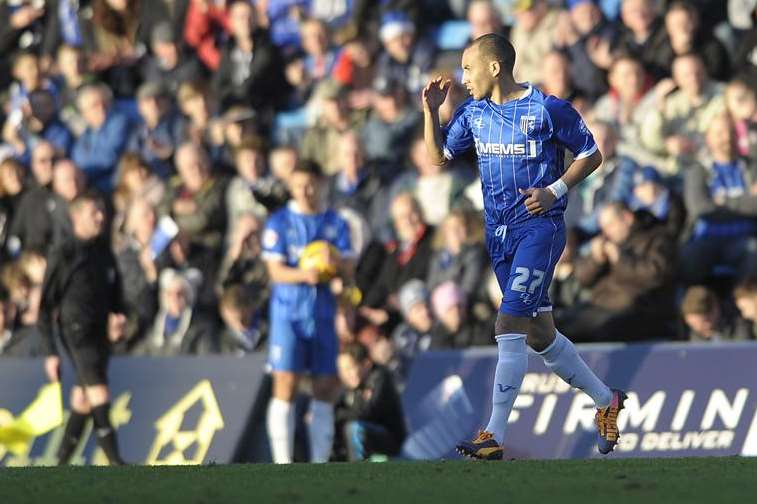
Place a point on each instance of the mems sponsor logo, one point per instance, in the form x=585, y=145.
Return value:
x=509, y=149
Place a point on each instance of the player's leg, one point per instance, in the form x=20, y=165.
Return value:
x=511, y=328
x=325, y=389
x=98, y=396
x=286, y=358
x=77, y=419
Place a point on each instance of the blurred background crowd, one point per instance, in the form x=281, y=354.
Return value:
x=198, y=110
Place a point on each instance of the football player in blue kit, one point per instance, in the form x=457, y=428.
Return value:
x=302, y=313
x=520, y=136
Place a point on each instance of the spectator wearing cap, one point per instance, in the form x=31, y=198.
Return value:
x=675, y=129
x=709, y=320
x=405, y=58
x=684, y=36
x=251, y=70
x=533, y=36
x=321, y=141
x=721, y=198
x=583, y=34
x=642, y=35
x=389, y=125
x=651, y=194
x=160, y=131
x=98, y=149
x=413, y=334
x=168, y=65
x=453, y=328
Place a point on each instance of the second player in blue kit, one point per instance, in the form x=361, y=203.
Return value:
x=520, y=137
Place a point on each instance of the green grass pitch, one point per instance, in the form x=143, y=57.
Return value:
x=647, y=481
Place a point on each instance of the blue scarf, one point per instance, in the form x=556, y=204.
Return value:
x=727, y=180
x=69, y=22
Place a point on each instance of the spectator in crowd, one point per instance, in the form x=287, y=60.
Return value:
x=484, y=18
x=405, y=57
x=179, y=328
x=369, y=413
x=721, y=198
x=169, y=66
x=745, y=295
x=206, y=23
x=100, y=146
x=390, y=124
x=651, y=194
x=583, y=34
x=438, y=189
x=565, y=291
x=31, y=228
x=40, y=123
x=252, y=191
x=134, y=181
x=14, y=342
x=116, y=46
x=195, y=199
x=251, y=69
x=533, y=36
x=197, y=106
x=240, y=307
x=22, y=28
x=642, y=35
x=160, y=131
x=243, y=263
x=413, y=334
x=321, y=141
x=356, y=184
x=708, y=319
x=556, y=79
x=28, y=77
x=741, y=102
x=630, y=270
x=676, y=128
x=622, y=106
x=68, y=183
x=454, y=328
x=684, y=36
x=406, y=257
x=11, y=193
x=139, y=273
x=72, y=75
x=319, y=55
x=459, y=258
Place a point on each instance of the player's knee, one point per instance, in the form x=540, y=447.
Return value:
x=79, y=402
x=97, y=395
x=541, y=334
x=284, y=386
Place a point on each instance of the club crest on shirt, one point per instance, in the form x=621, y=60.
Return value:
x=527, y=123
x=478, y=123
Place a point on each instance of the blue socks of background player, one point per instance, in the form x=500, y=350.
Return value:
x=561, y=357
x=511, y=368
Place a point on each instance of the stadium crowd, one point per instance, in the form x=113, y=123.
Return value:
x=186, y=117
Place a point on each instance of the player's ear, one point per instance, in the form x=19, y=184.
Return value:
x=495, y=68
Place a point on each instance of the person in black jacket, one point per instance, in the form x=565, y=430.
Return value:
x=369, y=411
x=80, y=294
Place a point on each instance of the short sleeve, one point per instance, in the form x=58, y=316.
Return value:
x=458, y=137
x=569, y=129
x=343, y=242
x=274, y=239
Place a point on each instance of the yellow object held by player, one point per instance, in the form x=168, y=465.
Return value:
x=43, y=415
x=321, y=256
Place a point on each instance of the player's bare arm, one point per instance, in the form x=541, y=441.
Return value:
x=434, y=95
x=541, y=200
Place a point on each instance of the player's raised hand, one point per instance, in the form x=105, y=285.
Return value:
x=538, y=200
x=435, y=93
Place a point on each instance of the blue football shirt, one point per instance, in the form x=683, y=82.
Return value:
x=287, y=232
x=519, y=144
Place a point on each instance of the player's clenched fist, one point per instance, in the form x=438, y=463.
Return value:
x=539, y=200
x=435, y=93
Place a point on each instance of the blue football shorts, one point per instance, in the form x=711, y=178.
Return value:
x=301, y=346
x=523, y=257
